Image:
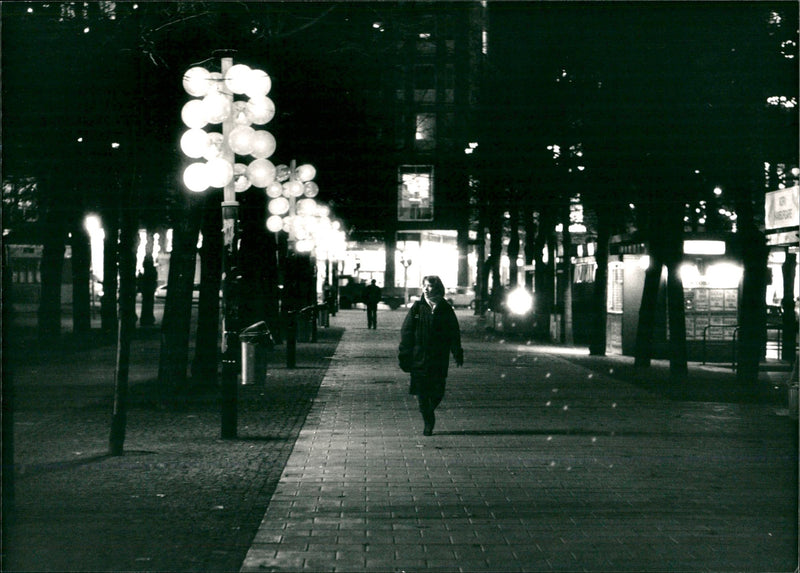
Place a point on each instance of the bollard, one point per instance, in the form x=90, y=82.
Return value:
x=313, y=315
x=291, y=340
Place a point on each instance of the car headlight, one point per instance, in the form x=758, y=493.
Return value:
x=519, y=301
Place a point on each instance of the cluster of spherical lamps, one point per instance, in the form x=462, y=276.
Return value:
x=291, y=189
x=215, y=103
x=292, y=207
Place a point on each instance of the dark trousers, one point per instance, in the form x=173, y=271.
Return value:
x=372, y=316
x=427, y=404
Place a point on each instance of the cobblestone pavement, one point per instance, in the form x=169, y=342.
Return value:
x=181, y=498
x=536, y=464
x=539, y=461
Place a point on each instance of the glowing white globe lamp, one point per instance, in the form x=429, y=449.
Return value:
x=260, y=110
x=214, y=145
x=240, y=181
x=197, y=81
x=220, y=172
x=193, y=114
x=306, y=172
x=194, y=143
x=274, y=189
x=274, y=223
x=195, y=177
x=263, y=144
x=241, y=140
x=237, y=78
x=261, y=172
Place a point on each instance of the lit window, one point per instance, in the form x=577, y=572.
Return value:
x=415, y=193
x=425, y=134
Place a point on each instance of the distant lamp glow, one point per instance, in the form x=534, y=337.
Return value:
x=306, y=172
x=275, y=223
x=278, y=206
x=723, y=275
x=274, y=189
x=519, y=301
x=695, y=247
x=690, y=275
x=293, y=189
x=717, y=191
x=195, y=177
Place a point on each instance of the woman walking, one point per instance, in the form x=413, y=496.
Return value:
x=430, y=333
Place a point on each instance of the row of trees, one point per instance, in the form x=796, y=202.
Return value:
x=641, y=118
x=625, y=105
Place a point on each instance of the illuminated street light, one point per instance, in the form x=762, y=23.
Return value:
x=235, y=98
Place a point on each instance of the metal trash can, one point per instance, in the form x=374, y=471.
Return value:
x=256, y=341
x=323, y=315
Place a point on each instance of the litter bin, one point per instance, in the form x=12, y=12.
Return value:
x=256, y=340
x=323, y=315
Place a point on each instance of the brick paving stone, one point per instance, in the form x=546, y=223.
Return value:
x=537, y=463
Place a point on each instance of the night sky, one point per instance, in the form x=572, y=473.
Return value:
x=682, y=84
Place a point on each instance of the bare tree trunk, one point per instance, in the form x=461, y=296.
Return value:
x=566, y=269
x=206, y=359
x=513, y=246
x=789, y=335
x=752, y=307
x=52, y=266
x=647, y=313
x=9, y=364
x=530, y=241
x=175, y=327
x=148, y=284
x=127, y=325
x=108, y=305
x=597, y=344
x=673, y=248
x=81, y=279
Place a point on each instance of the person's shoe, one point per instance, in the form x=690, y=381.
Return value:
x=428, y=431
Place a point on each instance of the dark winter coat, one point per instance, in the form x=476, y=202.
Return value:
x=427, y=338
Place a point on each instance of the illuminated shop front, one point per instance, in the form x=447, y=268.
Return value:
x=711, y=285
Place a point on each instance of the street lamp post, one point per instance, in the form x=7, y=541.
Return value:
x=406, y=263
x=217, y=103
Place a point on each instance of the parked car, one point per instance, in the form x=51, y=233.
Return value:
x=161, y=292
x=460, y=297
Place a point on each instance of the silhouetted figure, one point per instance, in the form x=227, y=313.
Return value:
x=372, y=296
x=430, y=333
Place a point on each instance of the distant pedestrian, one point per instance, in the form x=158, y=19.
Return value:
x=372, y=296
x=430, y=333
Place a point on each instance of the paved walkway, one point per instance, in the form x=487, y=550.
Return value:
x=536, y=464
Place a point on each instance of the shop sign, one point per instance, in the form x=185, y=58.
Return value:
x=782, y=208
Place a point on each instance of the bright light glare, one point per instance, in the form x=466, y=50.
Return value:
x=694, y=247
x=690, y=275
x=723, y=275
x=519, y=301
